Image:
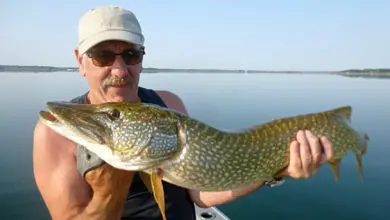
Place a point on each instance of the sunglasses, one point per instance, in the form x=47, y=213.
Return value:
x=102, y=58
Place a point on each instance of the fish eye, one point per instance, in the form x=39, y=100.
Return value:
x=114, y=114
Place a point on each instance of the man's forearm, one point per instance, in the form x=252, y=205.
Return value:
x=104, y=208
x=99, y=208
x=208, y=199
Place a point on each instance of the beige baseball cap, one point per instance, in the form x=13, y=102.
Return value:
x=108, y=23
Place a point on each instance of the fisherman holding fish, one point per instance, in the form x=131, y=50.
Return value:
x=76, y=184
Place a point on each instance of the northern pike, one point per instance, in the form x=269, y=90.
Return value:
x=192, y=154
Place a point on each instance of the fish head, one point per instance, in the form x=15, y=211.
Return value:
x=130, y=136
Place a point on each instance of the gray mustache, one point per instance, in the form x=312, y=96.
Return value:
x=116, y=81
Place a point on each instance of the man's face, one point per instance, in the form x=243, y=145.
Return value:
x=112, y=78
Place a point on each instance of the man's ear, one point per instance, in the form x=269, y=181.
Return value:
x=79, y=59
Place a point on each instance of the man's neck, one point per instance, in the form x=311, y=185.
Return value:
x=91, y=99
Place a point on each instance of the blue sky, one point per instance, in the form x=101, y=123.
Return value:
x=272, y=35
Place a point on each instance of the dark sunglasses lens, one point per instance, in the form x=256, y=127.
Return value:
x=104, y=59
x=132, y=57
x=107, y=58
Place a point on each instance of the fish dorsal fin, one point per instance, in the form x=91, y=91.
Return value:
x=343, y=111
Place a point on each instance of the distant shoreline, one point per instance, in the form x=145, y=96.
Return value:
x=365, y=73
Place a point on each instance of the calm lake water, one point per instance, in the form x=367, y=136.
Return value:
x=227, y=101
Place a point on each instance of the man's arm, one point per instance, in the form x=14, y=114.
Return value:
x=66, y=194
x=304, y=152
x=209, y=199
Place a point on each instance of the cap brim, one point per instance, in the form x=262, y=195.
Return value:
x=110, y=35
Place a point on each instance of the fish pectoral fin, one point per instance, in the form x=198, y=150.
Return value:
x=146, y=179
x=158, y=192
x=360, y=165
x=335, y=165
x=153, y=183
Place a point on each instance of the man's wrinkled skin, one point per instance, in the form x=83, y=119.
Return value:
x=66, y=194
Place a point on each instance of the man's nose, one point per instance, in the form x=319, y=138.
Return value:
x=119, y=67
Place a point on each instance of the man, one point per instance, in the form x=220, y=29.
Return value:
x=75, y=184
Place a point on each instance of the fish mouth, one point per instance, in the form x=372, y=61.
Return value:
x=48, y=118
x=77, y=122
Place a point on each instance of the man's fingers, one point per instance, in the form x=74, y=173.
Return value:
x=305, y=153
x=295, y=158
x=328, y=149
x=316, y=150
x=93, y=177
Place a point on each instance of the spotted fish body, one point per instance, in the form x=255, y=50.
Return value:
x=214, y=160
x=192, y=154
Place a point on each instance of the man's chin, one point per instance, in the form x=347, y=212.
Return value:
x=120, y=94
x=119, y=90
x=122, y=87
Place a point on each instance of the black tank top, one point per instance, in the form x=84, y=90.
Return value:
x=140, y=204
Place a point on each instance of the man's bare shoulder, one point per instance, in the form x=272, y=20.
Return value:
x=41, y=131
x=44, y=137
x=50, y=148
x=172, y=100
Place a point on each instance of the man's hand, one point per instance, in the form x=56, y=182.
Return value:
x=109, y=181
x=307, y=154
x=110, y=187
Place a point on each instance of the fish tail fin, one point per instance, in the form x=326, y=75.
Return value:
x=363, y=139
x=360, y=165
x=335, y=165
